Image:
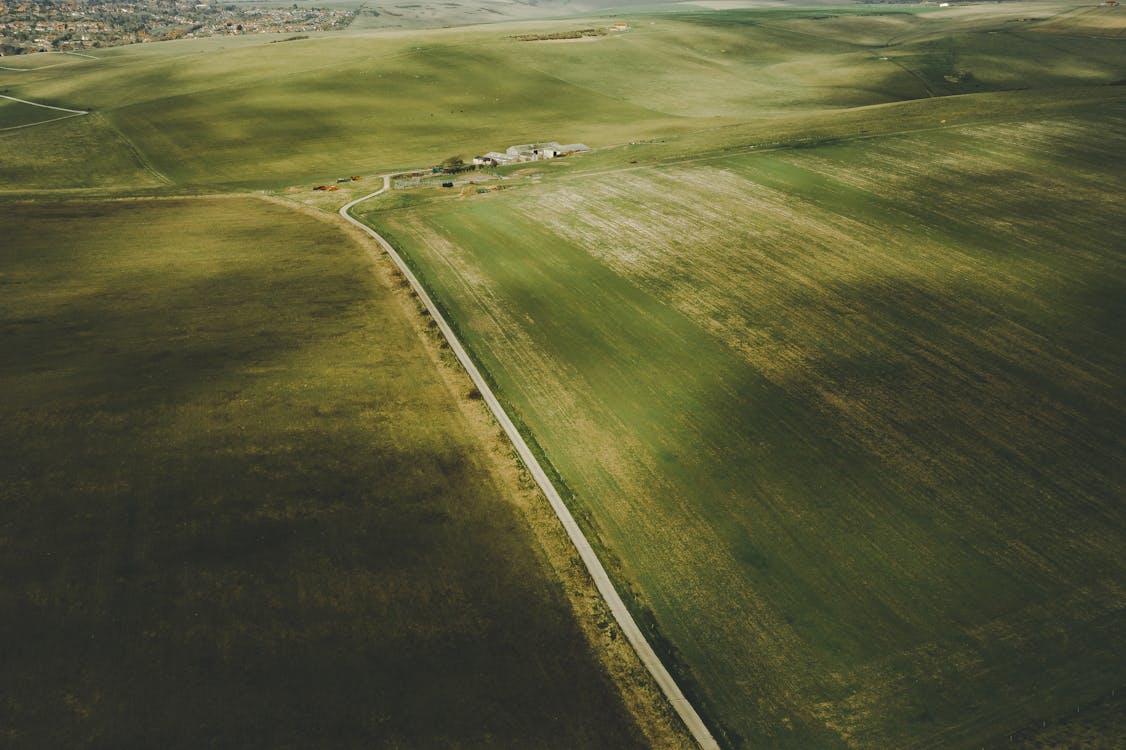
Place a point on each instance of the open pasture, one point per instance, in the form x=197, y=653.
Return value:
x=74, y=153
x=849, y=418
x=245, y=113
x=1100, y=22
x=275, y=115
x=239, y=504
x=714, y=65
x=826, y=355
x=995, y=44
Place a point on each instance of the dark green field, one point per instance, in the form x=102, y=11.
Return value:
x=240, y=508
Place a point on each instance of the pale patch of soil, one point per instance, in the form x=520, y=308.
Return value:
x=570, y=41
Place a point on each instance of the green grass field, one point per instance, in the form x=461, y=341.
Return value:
x=245, y=113
x=848, y=417
x=239, y=506
x=267, y=115
x=73, y=154
x=823, y=342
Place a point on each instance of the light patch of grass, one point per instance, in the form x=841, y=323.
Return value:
x=1108, y=22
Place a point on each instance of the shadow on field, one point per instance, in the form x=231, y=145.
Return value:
x=933, y=521
x=238, y=508
x=901, y=515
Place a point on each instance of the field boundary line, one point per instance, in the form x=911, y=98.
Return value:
x=44, y=67
x=916, y=75
x=70, y=113
x=42, y=122
x=45, y=106
x=602, y=582
x=142, y=160
x=776, y=146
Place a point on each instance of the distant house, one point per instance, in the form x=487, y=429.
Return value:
x=547, y=150
x=526, y=152
x=499, y=158
x=532, y=152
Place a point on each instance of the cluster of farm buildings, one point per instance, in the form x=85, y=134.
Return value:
x=527, y=152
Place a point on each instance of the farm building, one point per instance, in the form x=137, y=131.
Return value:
x=492, y=159
x=533, y=151
x=527, y=152
x=547, y=150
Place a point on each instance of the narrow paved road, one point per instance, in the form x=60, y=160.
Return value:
x=625, y=620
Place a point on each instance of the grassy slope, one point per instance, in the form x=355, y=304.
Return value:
x=262, y=114
x=76, y=153
x=244, y=112
x=239, y=506
x=850, y=416
x=241, y=112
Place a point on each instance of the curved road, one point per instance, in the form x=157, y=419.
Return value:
x=625, y=620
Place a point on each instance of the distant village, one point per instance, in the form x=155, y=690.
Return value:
x=73, y=25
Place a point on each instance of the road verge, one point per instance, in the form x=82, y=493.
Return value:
x=684, y=709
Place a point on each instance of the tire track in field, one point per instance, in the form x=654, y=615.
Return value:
x=629, y=626
x=136, y=152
